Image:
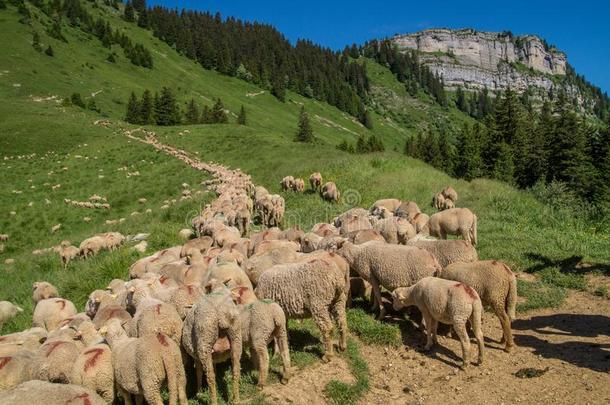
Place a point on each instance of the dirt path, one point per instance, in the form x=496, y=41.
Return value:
x=573, y=342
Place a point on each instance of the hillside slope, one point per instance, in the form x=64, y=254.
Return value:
x=45, y=144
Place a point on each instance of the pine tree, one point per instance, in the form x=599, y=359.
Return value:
x=504, y=167
x=192, y=113
x=219, y=115
x=460, y=100
x=49, y=51
x=129, y=13
x=469, y=164
x=77, y=100
x=167, y=112
x=206, y=115
x=278, y=89
x=132, y=115
x=143, y=19
x=147, y=109
x=241, y=118
x=366, y=120
x=305, y=132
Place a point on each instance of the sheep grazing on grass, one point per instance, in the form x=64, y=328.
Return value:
x=395, y=230
x=67, y=252
x=388, y=266
x=315, y=181
x=391, y=204
x=438, y=201
x=41, y=392
x=3, y=237
x=330, y=192
x=287, y=183
x=298, y=185
x=450, y=193
x=42, y=290
x=50, y=312
x=496, y=284
x=447, y=251
x=143, y=365
x=316, y=288
x=186, y=233
x=214, y=316
x=8, y=310
x=455, y=221
x=448, y=302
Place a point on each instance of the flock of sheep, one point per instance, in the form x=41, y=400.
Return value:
x=191, y=306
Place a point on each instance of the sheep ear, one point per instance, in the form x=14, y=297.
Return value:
x=188, y=306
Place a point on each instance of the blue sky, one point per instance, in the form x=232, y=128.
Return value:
x=581, y=29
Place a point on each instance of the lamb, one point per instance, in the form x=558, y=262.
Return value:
x=261, y=322
x=298, y=185
x=67, y=252
x=287, y=183
x=142, y=365
x=315, y=181
x=50, y=312
x=93, y=367
x=496, y=284
x=92, y=246
x=456, y=221
x=448, y=302
x=395, y=230
x=243, y=217
x=214, y=315
x=40, y=392
x=391, y=204
x=316, y=288
x=388, y=266
x=330, y=192
x=310, y=242
x=42, y=290
x=8, y=310
x=3, y=237
x=438, y=201
x=450, y=193
x=447, y=251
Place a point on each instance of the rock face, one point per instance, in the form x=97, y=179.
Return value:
x=474, y=59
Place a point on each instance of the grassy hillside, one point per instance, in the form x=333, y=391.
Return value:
x=43, y=143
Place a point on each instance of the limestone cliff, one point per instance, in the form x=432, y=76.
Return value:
x=474, y=59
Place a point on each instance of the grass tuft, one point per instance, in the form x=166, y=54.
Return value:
x=372, y=331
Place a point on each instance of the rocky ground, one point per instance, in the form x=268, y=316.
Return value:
x=570, y=345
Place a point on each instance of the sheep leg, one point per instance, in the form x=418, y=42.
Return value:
x=323, y=321
x=234, y=335
x=378, y=303
x=341, y=319
x=507, y=335
x=460, y=330
x=281, y=340
x=478, y=333
x=434, y=329
x=210, y=376
x=429, y=326
x=263, y=364
x=139, y=399
x=126, y=396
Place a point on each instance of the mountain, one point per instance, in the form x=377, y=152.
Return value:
x=497, y=60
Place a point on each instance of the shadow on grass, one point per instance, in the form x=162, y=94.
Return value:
x=570, y=265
